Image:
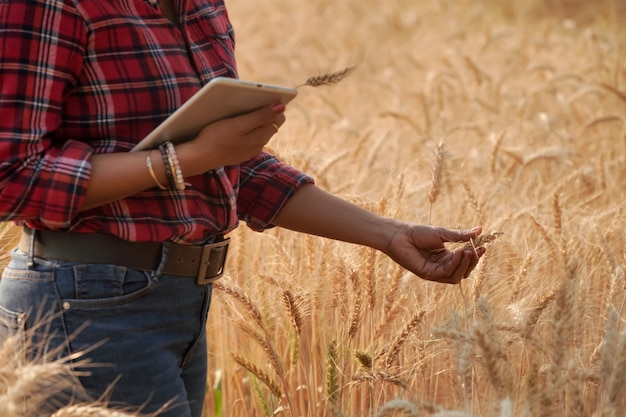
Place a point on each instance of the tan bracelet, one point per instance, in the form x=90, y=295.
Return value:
x=152, y=173
x=175, y=165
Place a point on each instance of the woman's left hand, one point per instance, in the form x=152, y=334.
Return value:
x=421, y=250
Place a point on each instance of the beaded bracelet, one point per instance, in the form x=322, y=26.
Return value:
x=178, y=173
x=179, y=181
x=168, y=168
x=152, y=173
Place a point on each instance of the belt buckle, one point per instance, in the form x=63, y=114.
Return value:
x=211, y=253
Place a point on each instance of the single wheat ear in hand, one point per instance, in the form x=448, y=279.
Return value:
x=328, y=78
x=482, y=239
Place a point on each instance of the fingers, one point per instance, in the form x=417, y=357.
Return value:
x=463, y=268
x=474, y=258
x=451, y=235
x=276, y=123
x=262, y=119
x=458, y=266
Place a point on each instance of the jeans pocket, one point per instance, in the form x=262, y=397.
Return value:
x=13, y=335
x=91, y=287
x=100, y=302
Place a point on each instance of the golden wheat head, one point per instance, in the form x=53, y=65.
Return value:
x=329, y=77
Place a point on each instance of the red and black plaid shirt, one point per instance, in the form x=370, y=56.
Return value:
x=79, y=77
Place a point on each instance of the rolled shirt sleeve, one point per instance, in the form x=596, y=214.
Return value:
x=265, y=187
x=42, y=177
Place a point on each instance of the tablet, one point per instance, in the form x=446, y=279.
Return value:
x=220, y=98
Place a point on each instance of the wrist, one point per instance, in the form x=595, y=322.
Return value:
x=384, y=233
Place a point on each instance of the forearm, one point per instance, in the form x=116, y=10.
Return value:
x=314, y=211
x=222, y=143
x=118, y=175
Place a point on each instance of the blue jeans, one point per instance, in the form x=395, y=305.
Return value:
x=143, y=333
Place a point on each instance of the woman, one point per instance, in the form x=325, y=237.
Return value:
x=116, y=243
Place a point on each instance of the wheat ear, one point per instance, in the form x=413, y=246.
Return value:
x=91, y=411
x=437, y=177
x=259, y=373
x=483, y=239
x=472, y=200
x=394, y=407
x=237, y=293
x=394, y=349
x=370, y=277
x=521, y=275
x=494, y=152
x=383, y=377
x=616, y=386
x=328, y=78
x=495, y=359
x=355, y=319
x=332, y=374
x=294, y=311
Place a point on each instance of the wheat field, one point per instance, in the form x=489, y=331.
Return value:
x=458, y=113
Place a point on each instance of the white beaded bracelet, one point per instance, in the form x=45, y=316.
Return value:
x=175, y=165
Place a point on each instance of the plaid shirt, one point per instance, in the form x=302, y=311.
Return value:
x=79, y=77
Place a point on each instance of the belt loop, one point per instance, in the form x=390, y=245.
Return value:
x=31, y=246
x=165, y=252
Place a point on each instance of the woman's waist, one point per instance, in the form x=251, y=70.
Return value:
x=203, y=262
x=183, y=229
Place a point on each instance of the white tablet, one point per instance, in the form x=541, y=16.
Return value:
x=220, y=98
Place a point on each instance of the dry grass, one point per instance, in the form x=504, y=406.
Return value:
x=528, y=98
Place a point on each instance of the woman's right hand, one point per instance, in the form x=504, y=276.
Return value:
x=225, y=142
x=230, y=141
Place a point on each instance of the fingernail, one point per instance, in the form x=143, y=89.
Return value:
x=279, y=108
x=475, y=229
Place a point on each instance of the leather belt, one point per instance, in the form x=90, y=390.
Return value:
x=203, y=262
